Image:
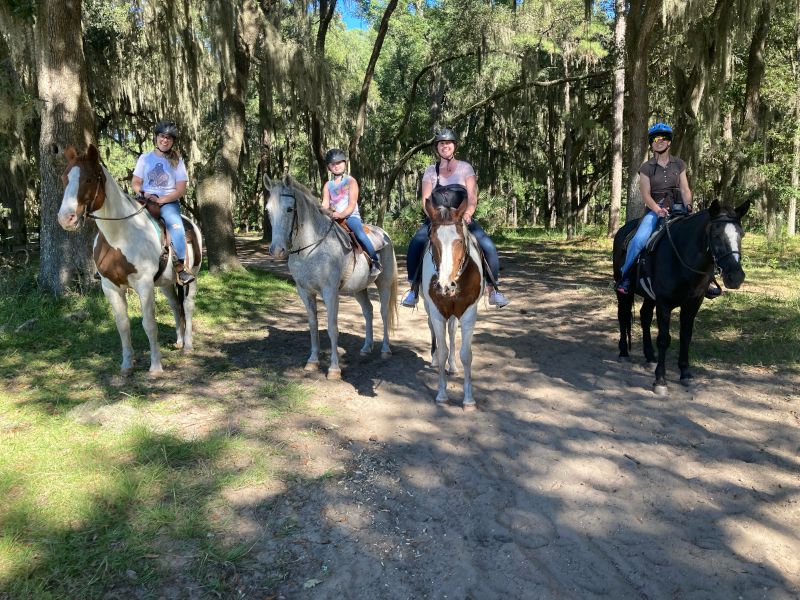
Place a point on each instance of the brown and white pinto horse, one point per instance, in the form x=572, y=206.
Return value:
x=127, y=252
x=452, y=285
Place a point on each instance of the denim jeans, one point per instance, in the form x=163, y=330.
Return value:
x=171, y=213
x=646, y=228
x=354, y=223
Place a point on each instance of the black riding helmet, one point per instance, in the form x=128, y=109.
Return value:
x=167, y=128
x=334, y=155
x=445, y=135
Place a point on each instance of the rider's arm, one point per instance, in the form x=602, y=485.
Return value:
x=136, y=184
x=644, y=188
x=472, y=197
x=686, y=193
x=427, y=188
x=326, y=197
x=178, y=192
x=351, y=205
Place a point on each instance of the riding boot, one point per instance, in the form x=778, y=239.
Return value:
x=182, y=275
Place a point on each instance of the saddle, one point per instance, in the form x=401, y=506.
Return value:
x=643, y=263
x=166, y=245
x=375, y=236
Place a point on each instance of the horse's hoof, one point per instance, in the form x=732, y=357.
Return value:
x=441, y=401
x=156, y=374
x=660, y=390
x=126, y=372
x=178, y=345
x=470, y=406
x=334, y=374
x=187, y=350
x=387, y=354
x=311, y=366
x=687, y=382
x=626, y=359
x=450, y=371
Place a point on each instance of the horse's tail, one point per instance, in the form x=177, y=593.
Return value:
x=393, y=316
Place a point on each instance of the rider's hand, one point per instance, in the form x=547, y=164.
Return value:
x=467, y=218
x=662, y=212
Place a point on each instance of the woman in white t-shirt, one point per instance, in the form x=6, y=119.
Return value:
x=160, y=177
x=450, y=182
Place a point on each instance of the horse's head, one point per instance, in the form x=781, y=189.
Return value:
x=449, y=247
x=84, y=186
x=281, y=205
x=725, y=239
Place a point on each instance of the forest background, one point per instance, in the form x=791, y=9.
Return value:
x=551, y=99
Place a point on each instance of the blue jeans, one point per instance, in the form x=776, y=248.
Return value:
x=646, y=228
x=417, y=246
x=171, y=213
x=354, y=223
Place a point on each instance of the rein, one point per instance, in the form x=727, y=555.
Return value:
x=716, y=260
x=87, y=214
x=296, y=228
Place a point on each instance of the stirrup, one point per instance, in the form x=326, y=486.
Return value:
x=375, y=268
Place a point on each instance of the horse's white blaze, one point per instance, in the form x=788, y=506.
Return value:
x=447, y=236
x=69, y=203
x=733, y=240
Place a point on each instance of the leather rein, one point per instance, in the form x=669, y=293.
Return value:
x=710, y=248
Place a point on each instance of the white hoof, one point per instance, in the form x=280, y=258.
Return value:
x=334, y=374
x=156, y=373
x=311, y=366
x=469, y=405
x=178, y=345
x=442, y=399
x=660, y=390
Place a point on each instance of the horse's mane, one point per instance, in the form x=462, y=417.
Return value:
x=445, y=214
x=302, y=193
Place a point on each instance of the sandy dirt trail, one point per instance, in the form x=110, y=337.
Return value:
x=572, y=480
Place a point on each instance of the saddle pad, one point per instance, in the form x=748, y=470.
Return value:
x=377, y=236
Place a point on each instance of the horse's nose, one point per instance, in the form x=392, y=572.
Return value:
x=733, y=280
x=278, y=252
x=68, y=220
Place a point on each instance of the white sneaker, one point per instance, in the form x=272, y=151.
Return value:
x=375, y=269
x=496, y=298
x=410, y=299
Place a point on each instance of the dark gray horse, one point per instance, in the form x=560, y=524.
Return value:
x=683, y=266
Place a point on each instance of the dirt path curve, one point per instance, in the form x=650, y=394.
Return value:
x=572, y=480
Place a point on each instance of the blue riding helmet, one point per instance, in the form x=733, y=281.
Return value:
x=659, y=130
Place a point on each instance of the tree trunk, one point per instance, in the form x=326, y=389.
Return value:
x=792, y=216
x=361, y=118
x=67, y=118
x=642, y=18
x=618, y=123
x=238, y=30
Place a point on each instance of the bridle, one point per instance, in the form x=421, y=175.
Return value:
x=464, y=260
x=710, y=246
x=90, y=209
x=296, y=226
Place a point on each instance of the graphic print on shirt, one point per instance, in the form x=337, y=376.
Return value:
x=158, y=177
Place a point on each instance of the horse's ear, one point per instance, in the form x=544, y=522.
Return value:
x=92, y=154
x=462, y=208
x=714, y=209
x=70, y=153
x=742, y=209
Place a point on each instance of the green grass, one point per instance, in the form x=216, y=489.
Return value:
x=93, y=503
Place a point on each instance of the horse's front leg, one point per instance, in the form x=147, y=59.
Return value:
x=468, y=320
x=147, y=295
x=438, y=326
x=330, y=297
x=310, y=301
x=646, y=316
x=119, y=304
x=452, y=362
x=663, y=313
x=366, y=309
x=688, y=314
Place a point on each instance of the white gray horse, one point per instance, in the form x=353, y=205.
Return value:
x=323, y=263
